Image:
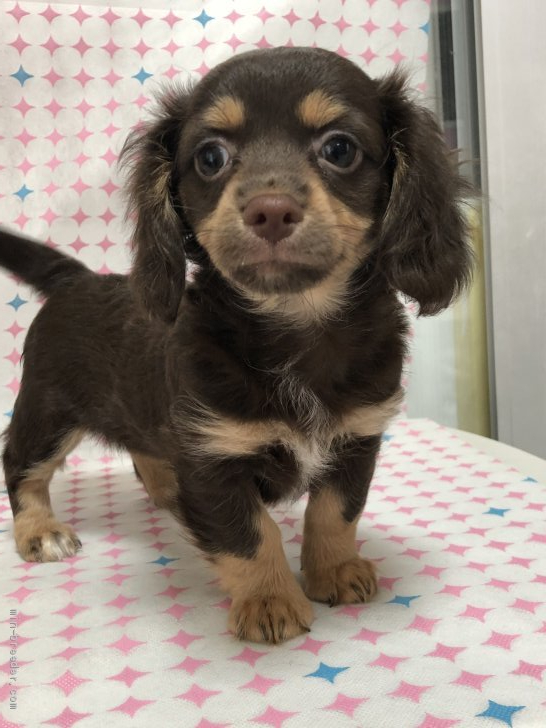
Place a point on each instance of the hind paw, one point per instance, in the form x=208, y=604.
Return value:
x=51, y=541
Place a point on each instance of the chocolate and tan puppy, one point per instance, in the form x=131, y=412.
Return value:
x=307, y=195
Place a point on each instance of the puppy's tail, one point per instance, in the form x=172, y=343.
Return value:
x=34, y=263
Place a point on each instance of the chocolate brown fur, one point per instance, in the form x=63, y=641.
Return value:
x=278, y=367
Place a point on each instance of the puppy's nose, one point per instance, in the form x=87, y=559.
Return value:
x=272, y=217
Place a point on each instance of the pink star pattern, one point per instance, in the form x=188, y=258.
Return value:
x=432, y=721
x=471, y=680
x=198, y=695
x=345, y=704
x=409, y=691
x=273, y=717
x=67, y=718
x=128, y=676
x=261, y=684
x=132, y=706
x=388, y=661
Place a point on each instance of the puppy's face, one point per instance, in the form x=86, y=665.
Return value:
x=280, y=176
x=290, y=167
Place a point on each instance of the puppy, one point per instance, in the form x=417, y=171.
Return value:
x=306, y=195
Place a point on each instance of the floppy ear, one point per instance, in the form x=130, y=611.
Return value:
x=423, y=248
x=159, y=262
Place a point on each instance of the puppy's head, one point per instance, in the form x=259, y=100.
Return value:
x=288, y=170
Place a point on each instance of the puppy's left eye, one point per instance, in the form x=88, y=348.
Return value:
x=340, y=151
x=211, y=159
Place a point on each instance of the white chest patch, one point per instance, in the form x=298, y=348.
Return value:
x=312, y=457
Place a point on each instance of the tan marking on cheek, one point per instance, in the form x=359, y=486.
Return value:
x=318, y=109
x=158, y=479
x=226, y=113
x=209, y=230
x=348, y=228
x=333, y=571
x=268, y=605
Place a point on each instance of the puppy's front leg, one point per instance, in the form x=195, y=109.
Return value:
x=268, y=603
x=231, y=525
x=333, y=570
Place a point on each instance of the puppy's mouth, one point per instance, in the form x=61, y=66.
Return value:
x=290, y=265
x=275, y=275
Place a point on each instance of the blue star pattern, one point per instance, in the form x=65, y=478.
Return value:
x=386, y=438
x=23, y=192
x=406, y=601
x=9, y=414
x=21, y=75
x=327, y=672
x=142, y=75
x=530, y=480
x=163, y=560
x=17, y=302
x=203, y=18
x=500, y=712
x=496, y=511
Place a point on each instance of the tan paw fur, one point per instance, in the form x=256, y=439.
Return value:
x=272, y=619
x=350, y=582
x=47, y=540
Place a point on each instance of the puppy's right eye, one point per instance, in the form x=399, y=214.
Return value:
x=211, y=159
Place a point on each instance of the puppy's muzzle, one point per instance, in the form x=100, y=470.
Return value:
x=272, y=217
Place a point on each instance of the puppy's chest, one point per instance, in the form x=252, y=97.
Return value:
x=297, y=422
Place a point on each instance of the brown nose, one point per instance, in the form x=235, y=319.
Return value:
x=272, y=217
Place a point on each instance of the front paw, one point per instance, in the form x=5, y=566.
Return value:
x=350, y=582
x=270, y=618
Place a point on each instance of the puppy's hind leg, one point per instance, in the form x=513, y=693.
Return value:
x=35, y=447
x=158, y=479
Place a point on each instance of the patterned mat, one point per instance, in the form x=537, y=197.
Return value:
x=132, y=631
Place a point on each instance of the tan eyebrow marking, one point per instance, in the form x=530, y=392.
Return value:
x=227, y=112
x=318, y=109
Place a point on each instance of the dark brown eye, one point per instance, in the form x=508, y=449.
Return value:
x=340, y=152
x=211, y=159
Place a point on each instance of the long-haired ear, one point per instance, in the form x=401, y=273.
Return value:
x=423, y=248
x=159, y=262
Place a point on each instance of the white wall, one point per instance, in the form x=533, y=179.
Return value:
x=514, y=163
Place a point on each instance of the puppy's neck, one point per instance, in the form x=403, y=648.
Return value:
x=314, y=307
x=328, y=302
x=317, y=308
